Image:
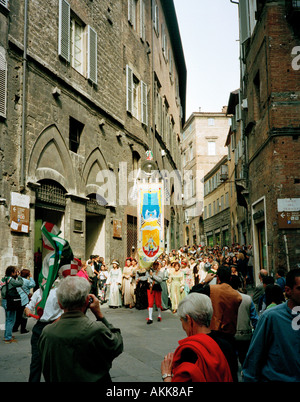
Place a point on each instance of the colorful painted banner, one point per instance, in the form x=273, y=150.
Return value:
x=150, y=223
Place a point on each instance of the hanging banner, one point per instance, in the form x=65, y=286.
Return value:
x=150, y=222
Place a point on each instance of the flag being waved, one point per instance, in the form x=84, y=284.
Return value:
x=58, y=262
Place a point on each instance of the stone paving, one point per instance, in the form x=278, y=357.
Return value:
x=144, y=346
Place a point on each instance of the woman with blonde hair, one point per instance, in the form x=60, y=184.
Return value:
x=176, y=286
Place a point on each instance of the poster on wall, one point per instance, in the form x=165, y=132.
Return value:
x=19, y=213
x=150, y=220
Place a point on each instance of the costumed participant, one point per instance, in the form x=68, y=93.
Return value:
x=114, y=280
x=127, y=292
x=176, y=286
x=164, y=287
x=141, y=289
x=155, y=277
x=188, y=276
x=103, y=275
x=203, y=269
x=195, y=269
x=135, y=267
x=201, y=356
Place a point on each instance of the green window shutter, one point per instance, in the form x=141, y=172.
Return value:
x=129, y=89
x=144, y=104
x=64, y=30
x=244, y=14
x=3, y=85
x=92, y=55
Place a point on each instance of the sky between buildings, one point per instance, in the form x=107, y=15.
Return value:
x=209, y=33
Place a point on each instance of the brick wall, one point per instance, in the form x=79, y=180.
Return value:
x=274, y=142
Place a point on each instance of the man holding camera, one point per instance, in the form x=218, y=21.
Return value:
x=76, y=348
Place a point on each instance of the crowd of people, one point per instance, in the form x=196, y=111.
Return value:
x=129, y=284
x=208, y=289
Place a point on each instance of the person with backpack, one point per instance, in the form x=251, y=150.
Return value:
x=11, y=299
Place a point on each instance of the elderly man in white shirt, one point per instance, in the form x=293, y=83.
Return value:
x=51, y=312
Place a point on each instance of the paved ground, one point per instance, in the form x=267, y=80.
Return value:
x=144, y=346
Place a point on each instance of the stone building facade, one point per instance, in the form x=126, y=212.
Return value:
x=270, y=118
x=217, y=223
x=87, y=88
x=203, y=146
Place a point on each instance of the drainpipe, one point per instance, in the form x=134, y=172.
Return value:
x=287, y=253
x=22, y=175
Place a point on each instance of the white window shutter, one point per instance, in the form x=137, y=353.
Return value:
x=64, y=30
x=129, y=89
x=142, y=20
x=244, y=14
x=163, y=42
x=92, y=55
x=155, y=15
x=130, y=11
x=144, y=103
x=160, y=114
x=3, y=85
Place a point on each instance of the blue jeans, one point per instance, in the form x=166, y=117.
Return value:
x=10, y=318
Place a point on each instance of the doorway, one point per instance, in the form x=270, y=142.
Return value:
x=262, y=246
x=95, y=235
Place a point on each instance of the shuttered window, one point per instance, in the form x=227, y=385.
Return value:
x=92, y=55
x=77, y=43
x=64, y=30
x=164, y=42
x=132, y=5
x=129, y=89
x=144, y=104
x=3, y=85
x=155, y=16
x=142, y=20
x=4, y=3
x=244, y=14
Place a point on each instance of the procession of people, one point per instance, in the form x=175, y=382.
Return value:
x=129, y=285
x=206, y=287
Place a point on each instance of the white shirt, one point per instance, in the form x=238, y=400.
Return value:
x=52, y=311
